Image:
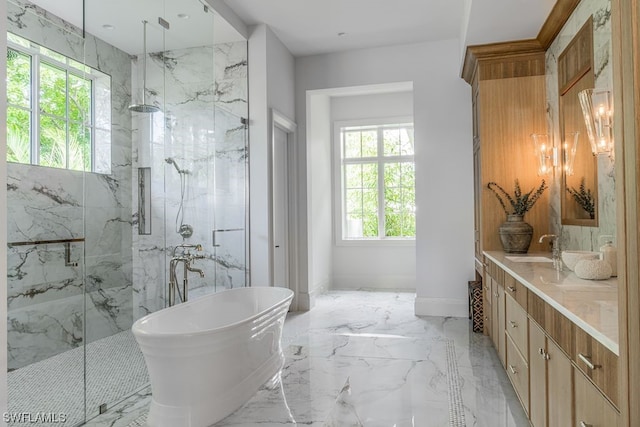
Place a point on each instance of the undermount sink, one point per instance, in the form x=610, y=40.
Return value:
x=528, y=259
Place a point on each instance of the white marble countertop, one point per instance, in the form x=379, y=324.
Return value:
x=591, y=304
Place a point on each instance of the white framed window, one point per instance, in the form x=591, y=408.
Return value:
x=375, y=181
x=58, y=109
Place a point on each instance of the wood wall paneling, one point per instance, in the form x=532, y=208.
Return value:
x=515, y=110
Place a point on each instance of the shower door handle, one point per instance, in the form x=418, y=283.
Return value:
x=221, y=230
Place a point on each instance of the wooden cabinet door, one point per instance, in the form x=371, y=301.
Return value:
x=487, y=288
x=500, y=319
x=592, y=409
x=494, y=315
x=537, y=375
x=559, y=390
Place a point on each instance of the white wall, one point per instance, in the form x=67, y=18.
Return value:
x=319, y=193
x=366, y=267
x=280, y=76
x=444, y=181
x=271, y=77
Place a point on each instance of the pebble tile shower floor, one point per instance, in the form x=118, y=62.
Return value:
x=115, y=368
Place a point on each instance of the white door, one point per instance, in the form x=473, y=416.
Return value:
x=280, y=213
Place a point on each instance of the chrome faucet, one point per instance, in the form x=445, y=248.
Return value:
x=185, y=258
x=555, y=249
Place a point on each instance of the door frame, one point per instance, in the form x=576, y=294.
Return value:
x=281, y=121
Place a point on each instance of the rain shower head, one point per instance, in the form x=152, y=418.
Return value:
x=144, y=107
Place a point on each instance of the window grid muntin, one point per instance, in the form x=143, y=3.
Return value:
x=36, y=55
x=381, y=160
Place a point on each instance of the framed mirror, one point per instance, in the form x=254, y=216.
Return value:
x=579, y=187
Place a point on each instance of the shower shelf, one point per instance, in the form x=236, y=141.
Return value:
x=45, y=242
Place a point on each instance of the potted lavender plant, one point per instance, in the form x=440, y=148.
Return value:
x=515, y=234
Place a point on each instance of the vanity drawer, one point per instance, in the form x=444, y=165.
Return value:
x=516, y=324
x=535, y=309
x=591, y=408
x=598, y=363
x=560, y=329
x=516, y=289
x=518, y=372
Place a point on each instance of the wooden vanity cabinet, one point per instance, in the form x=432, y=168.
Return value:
x=597, y=363
x=487, y=306
x=493, y=279
x=550, y=381
x=499, y=308
x=592, y=408
x=562, y=375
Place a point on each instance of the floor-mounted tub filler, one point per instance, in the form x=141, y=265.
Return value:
x=209, y=356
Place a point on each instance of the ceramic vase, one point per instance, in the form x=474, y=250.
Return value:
x=515, y=235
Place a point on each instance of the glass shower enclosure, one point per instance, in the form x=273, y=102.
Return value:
x=101, y=195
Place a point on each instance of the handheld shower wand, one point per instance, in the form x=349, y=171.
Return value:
x=185, y=230
x=171, y=161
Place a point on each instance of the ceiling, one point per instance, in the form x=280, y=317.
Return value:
x=308, y=27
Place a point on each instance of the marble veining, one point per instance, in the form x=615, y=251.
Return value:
x=578, y=237
x=200, y=128
x=364, y=359
x=591, y=304
x=47, y=300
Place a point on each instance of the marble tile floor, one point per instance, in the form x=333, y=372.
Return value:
x=363, y=359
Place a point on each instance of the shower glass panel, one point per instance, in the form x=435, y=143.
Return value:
x=49, y=134
x=229, y=235
x=101, y=196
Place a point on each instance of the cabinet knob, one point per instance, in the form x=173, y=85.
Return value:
x=511, y=288
x=514, y=325
x=541, y=351
x=583, y=424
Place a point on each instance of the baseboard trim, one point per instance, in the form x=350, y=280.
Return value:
x=307, y=300
x=442, y=307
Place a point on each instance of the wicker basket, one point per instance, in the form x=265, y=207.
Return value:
x=475, y=305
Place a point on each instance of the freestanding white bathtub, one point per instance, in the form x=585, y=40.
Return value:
x=208, y=356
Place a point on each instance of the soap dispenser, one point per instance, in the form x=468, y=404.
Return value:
x=609, y=253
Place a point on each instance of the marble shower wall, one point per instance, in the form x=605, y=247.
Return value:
x=577, y=237
x=46, y=299
x=202, y=93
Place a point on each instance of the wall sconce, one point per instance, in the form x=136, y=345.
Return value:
x=597, y=107
x=545, y=152
x=569, y=149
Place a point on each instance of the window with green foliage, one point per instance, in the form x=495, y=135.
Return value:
x=50, y=107
x=378, y=181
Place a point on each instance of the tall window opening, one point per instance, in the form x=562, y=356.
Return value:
x=377, y=175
